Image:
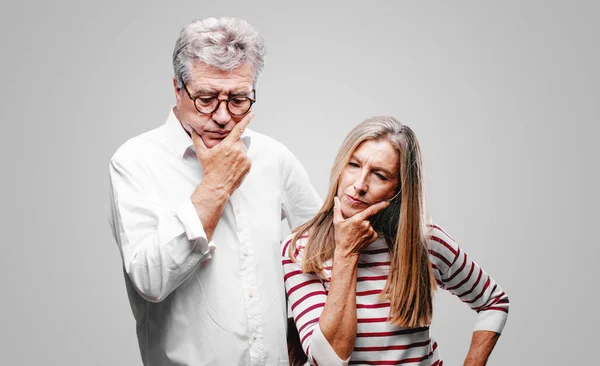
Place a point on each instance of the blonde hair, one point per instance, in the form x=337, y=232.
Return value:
x=410, y=283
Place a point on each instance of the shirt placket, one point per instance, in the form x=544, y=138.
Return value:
x=251, y=295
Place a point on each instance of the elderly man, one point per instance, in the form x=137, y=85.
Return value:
x=197, y=206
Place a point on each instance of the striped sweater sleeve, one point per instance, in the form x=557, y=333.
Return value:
x=456, y=272
x=307, y=295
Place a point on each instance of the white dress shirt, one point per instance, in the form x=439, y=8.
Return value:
x=195, y=302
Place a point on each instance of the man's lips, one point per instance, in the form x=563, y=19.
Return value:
x=217, y=135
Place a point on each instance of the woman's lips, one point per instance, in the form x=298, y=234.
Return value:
x=354, y=201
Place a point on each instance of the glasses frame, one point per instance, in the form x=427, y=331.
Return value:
x=252, y=101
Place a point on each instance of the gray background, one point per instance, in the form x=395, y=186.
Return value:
x=504, y=99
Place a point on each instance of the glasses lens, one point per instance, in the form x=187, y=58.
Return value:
x=238, y=106
x=206, y=105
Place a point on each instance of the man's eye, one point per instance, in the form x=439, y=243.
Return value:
x=206, y=100
x=239, y=101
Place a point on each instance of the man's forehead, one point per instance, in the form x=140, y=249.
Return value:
x=211, y=79
x=200, y=69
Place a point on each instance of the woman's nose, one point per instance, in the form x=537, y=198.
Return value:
x=360, y=184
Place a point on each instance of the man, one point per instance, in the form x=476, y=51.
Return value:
x=196, y=211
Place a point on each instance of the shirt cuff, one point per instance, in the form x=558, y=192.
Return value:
x=492, y=320
x=186, y=213
x=321, y=350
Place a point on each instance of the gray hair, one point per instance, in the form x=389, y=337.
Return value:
x=224, y=43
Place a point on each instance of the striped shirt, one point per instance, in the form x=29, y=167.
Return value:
x=377, y=341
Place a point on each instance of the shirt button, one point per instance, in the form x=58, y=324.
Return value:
x=250, y=294
x=245, y=252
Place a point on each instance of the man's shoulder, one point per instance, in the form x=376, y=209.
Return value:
x=141, y=146
x=265, y=146
x=263, y=141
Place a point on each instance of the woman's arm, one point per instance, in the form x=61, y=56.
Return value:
x=307, y=297
x=482, y=344
x=338, y=321
x=326, y=322
x=456, y=272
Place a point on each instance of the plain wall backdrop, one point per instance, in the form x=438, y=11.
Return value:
x=503, y=96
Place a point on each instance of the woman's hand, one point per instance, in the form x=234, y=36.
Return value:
x=354, y=233
x=338, y=320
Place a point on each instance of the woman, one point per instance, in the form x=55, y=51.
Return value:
x=360, y=275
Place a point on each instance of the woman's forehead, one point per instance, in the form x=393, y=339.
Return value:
x=377, y=152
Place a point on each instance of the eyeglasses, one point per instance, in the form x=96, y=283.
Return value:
x=236, y=106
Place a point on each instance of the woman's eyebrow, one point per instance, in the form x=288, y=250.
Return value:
x=375, y=168
x=380, y=169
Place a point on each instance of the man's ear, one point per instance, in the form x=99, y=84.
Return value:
x=178, y=91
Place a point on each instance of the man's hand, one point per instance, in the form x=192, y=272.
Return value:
x=225, y=166
x=227, y=163
x=356, y=232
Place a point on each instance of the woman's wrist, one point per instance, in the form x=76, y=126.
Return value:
x=345, y=256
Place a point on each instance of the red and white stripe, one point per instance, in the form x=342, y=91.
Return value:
x=377, y=341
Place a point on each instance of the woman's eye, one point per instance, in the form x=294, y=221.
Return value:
x=352, y=164
x=380, y=176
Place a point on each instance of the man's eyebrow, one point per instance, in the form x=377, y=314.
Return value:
x=240, y=93
x=210, y=92
x=213, y=92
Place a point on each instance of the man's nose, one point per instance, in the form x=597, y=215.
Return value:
x=221, y=116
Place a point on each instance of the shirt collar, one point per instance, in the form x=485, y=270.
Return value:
x=181, y=142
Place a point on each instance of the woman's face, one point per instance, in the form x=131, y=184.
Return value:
x=370, y=176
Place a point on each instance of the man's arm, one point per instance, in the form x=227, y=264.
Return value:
x=300, y=201
x=160, y=247
x=225, y=167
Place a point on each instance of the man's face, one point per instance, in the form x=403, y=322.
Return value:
x=207, y=81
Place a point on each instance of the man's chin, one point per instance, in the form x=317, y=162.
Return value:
x=212, y=142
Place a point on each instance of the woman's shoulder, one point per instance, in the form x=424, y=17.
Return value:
x=440, y=244
x=298, y=246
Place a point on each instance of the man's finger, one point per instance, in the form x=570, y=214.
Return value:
x=337, y=211
x=371, y=210
x=239, y=128
x=198, y=142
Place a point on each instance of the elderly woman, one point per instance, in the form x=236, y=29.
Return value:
x=360, y=276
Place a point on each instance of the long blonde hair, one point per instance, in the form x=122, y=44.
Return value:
x=410, y=283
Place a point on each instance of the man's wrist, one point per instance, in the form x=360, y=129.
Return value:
x=213, y=192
